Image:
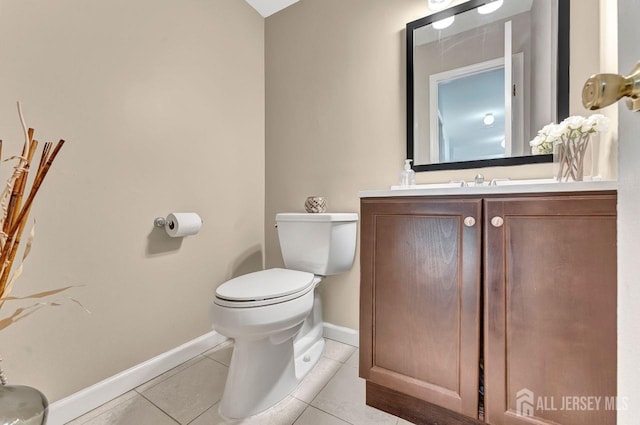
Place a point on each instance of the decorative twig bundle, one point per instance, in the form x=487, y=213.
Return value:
x=15, y=211
x=570, y=156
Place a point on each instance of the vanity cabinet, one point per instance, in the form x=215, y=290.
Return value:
x=420, y=298
x=518, y=292
x=550, y=309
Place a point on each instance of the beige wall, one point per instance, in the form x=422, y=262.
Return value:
x=162, y=105
x=335, y=96
x=594, y=47
x=607, y=150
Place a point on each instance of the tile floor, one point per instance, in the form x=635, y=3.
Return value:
x=332, y=394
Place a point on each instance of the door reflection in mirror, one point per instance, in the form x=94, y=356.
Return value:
x=468, y=127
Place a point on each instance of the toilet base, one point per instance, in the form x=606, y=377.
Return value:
x=307, y=360
x=264, y=371
x=308, y=344
x=267, y=375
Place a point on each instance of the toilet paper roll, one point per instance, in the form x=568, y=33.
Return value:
x=182, y=224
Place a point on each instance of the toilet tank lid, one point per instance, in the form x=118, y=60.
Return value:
x=316, y=217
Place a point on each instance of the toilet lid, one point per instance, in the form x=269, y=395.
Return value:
x=265, y=285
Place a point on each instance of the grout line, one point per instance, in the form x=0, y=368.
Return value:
x=217, y=361
x=326, y=383
x=163, y=411
x=303, y=410
x=206, y=410
x=228, y=343
x=301, y=413
x=331, y=414
x=86, y=420
x=170, y=376
x=334, y=375
x=201, y=413
x=118, y=404
x=202, y=357
x=339, y=342
x=352, y=354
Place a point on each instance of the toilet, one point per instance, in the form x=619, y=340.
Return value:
x=275, y=315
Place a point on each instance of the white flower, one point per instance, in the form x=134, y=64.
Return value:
x=546, y=130
x=596, y=123
x=537, y=141
x=541, y=144
x=549, y=136
x=573, y=128
x=574, y=123
x=559, y=130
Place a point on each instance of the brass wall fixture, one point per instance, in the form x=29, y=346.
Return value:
x=605, y=89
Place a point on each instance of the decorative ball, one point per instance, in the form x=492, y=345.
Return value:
x=315, y=204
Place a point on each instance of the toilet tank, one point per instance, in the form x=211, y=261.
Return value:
x=323, y=244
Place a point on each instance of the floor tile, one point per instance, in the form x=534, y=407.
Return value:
x=283, y=413
x=337, y=350
x=403, y=422
x=315, y=381
x=168, y=374
x=344, y=397
x=354, y=360
x=188, y=393
x=221, y=353
x=313, y=416
x=135, y=410
x=105, y=407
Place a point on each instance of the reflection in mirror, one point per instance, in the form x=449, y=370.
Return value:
x=460, y=138
x=482, y=79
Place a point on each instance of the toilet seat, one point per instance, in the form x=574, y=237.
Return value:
x=264, y=288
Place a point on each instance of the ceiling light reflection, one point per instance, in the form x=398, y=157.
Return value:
x=443, y=23
x=490, y=7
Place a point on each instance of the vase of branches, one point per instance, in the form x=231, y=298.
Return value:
x=22, y=405
x=568, y=158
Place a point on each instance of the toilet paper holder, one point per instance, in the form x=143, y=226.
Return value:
x=162, y=222
x=178, y=225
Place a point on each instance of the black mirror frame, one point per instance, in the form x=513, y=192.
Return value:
x=562, y=87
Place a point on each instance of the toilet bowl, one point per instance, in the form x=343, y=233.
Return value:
x=275, y=315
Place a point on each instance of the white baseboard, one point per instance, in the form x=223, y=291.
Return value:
x=66, y=409
x=77, y=404
x=341, y=334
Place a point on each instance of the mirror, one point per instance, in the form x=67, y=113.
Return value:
x=469, y=102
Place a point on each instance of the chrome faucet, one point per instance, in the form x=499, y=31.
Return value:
x=479, y=179
x=462, y=183
x=494, y=182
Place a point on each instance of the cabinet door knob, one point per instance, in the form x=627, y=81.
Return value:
x=469, y=221
x=497, y=221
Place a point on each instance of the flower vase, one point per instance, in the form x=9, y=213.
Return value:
x=568, y=157
x=21, y=405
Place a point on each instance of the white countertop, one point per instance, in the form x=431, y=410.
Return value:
x=546, y=187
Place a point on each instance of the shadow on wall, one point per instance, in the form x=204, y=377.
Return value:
x=250, y=261
x=159, y=243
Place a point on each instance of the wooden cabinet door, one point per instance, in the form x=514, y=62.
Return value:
x=550, y=310
x=420, y=298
